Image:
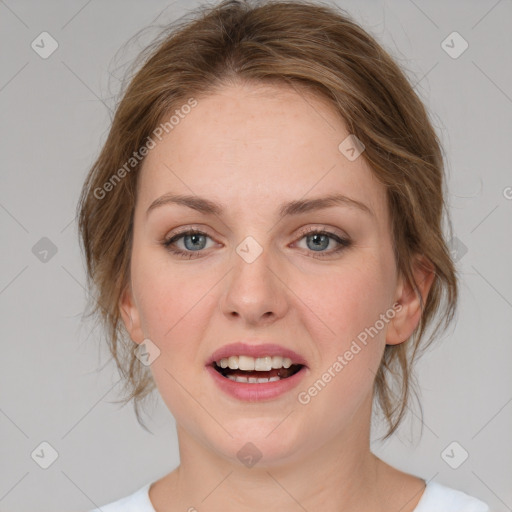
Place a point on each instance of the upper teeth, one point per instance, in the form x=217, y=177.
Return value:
x=261, y=364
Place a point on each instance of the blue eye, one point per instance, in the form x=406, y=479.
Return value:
x=321, y=240
x=195, y=240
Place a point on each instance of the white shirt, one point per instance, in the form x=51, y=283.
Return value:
x=435, y=498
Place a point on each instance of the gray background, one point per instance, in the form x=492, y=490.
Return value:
x=56, y=381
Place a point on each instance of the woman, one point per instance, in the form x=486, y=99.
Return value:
x=264, y=223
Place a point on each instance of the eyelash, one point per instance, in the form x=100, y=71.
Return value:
x=167, y=243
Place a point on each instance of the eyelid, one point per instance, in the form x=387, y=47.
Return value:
x=322, y=227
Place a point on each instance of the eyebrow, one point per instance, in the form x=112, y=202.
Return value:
x=296, y=207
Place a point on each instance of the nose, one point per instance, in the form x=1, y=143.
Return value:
x=255, y=289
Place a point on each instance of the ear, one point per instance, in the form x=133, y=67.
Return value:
x=130, y=315
x=408, y=305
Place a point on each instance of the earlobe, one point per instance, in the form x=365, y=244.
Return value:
x=130, y=315
x=409, y=305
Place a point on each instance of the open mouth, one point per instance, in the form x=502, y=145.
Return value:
x=245, y=369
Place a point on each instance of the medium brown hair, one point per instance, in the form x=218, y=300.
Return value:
x=305, y=45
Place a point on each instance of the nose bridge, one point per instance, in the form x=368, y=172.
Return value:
x=254, y=290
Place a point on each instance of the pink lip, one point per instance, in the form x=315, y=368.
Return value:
x=258, y=391
x=255, y=350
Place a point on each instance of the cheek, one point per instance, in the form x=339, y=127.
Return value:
x=348, y=341
x=167, y=294
x=174, y=309
x=350, y=338
x=347, y=300
x=170, y=304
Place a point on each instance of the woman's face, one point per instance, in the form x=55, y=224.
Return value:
x=255, y=276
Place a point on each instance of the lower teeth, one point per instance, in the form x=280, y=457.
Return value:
x=252, y=380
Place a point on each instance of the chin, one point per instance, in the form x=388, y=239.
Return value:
x=258, y=443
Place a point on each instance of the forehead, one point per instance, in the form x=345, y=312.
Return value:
x=268, y=143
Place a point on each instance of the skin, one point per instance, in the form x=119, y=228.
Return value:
x=251, y=148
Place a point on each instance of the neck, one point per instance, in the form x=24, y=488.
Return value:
x=341, y=474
